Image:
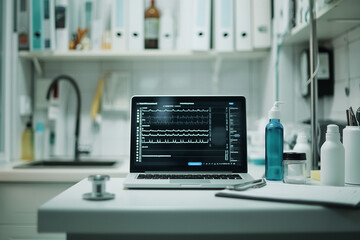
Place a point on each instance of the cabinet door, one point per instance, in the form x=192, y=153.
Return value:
x=19, y=203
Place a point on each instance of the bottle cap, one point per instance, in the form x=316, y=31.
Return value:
x=332, y=128
x=301, y=138
x=294, y=156
x=274, y=112
x=39, y=127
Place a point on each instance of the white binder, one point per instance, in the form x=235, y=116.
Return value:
x=136, y=25
x=167, y=33
x=49, y=25
x=183, y=37
x=119, y=25
x=243, y=25
x=23, y=13
x=261, y=11
x=223, y=25
x=62, y=25
x=200, y=34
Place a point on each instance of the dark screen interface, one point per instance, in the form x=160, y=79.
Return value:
x=188, y=133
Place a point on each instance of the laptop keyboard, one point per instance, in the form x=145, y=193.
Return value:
x=189, y=176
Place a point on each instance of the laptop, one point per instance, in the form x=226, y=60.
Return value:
x=187, y=142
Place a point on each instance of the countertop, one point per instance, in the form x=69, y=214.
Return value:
x=9, y=174
x=153, y=213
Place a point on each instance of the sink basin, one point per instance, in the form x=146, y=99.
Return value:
x=67, y=164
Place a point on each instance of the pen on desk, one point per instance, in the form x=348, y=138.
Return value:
x=258, y=183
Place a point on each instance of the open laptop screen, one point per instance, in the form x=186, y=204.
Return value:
x=188, y=134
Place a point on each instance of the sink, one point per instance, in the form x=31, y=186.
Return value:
x=67, y=164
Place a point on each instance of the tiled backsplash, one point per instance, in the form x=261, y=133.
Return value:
x=237, y=77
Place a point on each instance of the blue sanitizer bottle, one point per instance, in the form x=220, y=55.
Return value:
x=274, y=140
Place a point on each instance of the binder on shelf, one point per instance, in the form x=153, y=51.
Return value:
x=223, y=25
x=167, y=33
x=261, y=16
x=36, y=31
x=243, y=36
x=96, y=25
x=200, y=34
x=136, y=25
x=62, y=25
x=23, y=12
x=48, y=21
x=119, y=22
x=183, y=38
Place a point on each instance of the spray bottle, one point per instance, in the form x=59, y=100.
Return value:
x=274, y=138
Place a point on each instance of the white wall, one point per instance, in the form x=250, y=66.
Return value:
x=347, y=74
x=237, y=77
x=346, y=50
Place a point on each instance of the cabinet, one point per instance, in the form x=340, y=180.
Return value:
x=19, y=203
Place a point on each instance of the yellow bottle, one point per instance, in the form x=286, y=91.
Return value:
x=27, y=143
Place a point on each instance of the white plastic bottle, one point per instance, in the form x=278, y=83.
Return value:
x=39, y=141
x=303, y=146
x=332, y=158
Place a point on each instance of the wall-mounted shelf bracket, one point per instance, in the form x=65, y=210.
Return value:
x=216, y=74
x=37, y=66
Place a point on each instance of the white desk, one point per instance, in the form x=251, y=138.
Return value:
x=188, y=214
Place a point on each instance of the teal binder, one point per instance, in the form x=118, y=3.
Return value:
x=36, y=25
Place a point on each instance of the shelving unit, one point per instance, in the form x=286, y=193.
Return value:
x=108, y=55
x=146, y=55
x=336, y=18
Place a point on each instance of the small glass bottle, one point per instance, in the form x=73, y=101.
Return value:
x=294, y=167
x=152, y=16
x=27, y=143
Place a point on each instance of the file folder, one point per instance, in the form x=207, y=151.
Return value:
x=119, y=24
x=62, y=25
x=200, y=36
x=243, y=36
x=223, y=25
x=261, y=12
x=97, y=24
x=167, y=33
x=36, y=36
x=23, y=13
x=136, y=25
x=183, y=38
x=49, y=24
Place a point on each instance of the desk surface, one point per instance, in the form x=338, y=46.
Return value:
x=185, y=212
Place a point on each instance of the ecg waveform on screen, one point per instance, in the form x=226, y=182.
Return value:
x=175, y=126
x=173, y=110
x=177, y=119
x=174, y=141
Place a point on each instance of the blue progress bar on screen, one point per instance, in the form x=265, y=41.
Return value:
x=194, y=163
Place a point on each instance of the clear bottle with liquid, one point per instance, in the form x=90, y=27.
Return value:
x=274, y=141
x=39, y=141
x=303, y=146
x=27, y=143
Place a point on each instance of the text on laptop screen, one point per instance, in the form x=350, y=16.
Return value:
x=189, y=132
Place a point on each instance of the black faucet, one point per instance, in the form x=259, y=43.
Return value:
x=78, y=110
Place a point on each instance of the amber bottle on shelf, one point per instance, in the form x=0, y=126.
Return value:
x=152, y=16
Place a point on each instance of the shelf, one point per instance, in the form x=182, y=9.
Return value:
x=140, y=55
x=336, y=18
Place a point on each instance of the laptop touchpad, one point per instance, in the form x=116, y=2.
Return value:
x=189, y=181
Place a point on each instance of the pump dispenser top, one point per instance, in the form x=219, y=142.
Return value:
x=274, y=112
